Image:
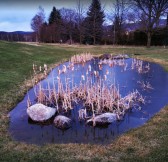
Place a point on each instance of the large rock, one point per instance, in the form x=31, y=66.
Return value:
x=62, y=122
x=103, y=119
x=40, y=112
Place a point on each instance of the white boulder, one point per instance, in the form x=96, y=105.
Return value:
x=103, y=119
x=39, y=112
x=62, y=122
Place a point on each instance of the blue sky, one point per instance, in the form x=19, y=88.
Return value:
x=16, y=15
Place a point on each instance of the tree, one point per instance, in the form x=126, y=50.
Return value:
x=69, y=18
x=55, y=16
x=55, y=22
x=121, y=9
x=37, y=22
x=44, y=33
x=80, y=12
x=150, y=13
x=94, y=23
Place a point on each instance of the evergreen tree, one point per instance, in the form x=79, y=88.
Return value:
x=94, y=23
x=55, y=24
x=55, y=16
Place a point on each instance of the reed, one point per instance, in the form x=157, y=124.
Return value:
x=139, y=66
x=82, y=58
x=96, y=97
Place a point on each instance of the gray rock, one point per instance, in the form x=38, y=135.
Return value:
x=103, y=119
x=62, y=122
x=39, y=112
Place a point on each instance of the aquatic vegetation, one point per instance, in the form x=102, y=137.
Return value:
x=82, y=58
x=145, y=85
x=97, y=97
x=138, y=65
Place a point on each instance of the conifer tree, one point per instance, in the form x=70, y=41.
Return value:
x=94, y=23
x=55, y=23
x=55, y=16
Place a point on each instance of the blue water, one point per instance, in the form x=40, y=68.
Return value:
x=22, y=128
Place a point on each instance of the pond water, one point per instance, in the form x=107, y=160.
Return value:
x=22, y=128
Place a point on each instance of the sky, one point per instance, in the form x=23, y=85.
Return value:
x=16, y=15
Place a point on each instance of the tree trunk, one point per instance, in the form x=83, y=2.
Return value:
x=148, y=39
x=70, y=36
x=36, y=37
x=94, y=40
x=80, y=38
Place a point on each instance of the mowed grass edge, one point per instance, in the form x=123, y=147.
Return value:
x=147, y=143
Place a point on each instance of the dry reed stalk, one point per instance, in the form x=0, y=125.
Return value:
x=96, y=96
x=82, y=58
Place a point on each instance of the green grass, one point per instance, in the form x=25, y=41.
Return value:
x=147, y=143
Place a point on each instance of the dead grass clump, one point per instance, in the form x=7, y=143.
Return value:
x=82, y=58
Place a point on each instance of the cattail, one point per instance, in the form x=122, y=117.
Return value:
x=33, y=67
x=64, y=69
x=100, y=67
x=58, y=78
x=105, y=77
x=107, y=72
x=89, y=68
x=125, y=67
x=28, y=101
x=45, y=67
x=59, y=71
x=40, y=68
x=83, y=77
x=87, y=72
x=97, y=73
x=45, y=72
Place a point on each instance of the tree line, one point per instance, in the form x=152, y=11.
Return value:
x=68, y=25
x=129, y=22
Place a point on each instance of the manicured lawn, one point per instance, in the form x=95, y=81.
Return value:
x=147, y=143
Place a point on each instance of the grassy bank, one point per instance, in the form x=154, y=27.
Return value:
x=147, y=143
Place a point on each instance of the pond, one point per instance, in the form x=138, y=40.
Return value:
x=22, y=128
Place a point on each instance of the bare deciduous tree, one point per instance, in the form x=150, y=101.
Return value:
x=69, y=18
x=37, y=22
x=121, y=10
x=80, y=18
x=150, y=12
